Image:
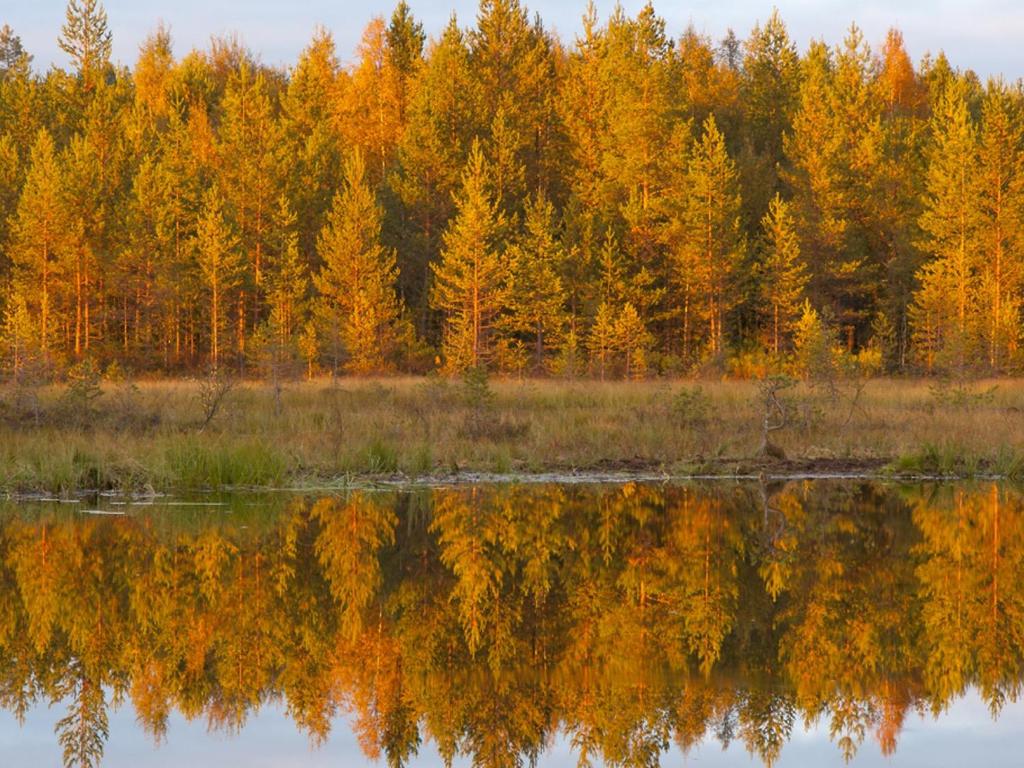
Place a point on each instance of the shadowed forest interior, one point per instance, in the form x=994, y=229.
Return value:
x=487, y=620
x=633, y=201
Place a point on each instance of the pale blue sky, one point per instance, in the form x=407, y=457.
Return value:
x=964, y=735
x=984, y=35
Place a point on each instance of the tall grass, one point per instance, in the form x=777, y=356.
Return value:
x=147, y=436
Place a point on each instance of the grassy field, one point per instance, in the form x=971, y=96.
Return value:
x=150, y=434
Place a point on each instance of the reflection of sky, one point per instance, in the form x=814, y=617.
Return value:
x=983, y=35
x=964, y=736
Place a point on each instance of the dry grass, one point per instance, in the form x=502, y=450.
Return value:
x=147, y=434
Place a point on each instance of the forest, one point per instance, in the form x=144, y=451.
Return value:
x=464, y=620
x=636, y=201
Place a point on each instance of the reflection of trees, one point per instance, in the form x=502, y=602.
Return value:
x=486, y=619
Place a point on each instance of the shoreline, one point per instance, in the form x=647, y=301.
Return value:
x=741, y=472
x=152, y=436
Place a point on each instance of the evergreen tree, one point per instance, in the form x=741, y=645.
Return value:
x=357, y=281
x=39, y=235
x=11, y=51
x=950, y=225
x=10, y=186
x=633, y=341
x=442, y=121
x=314, y=167
x=468, y=280
x=86, y=38
x=1001, y=224
x=782, y=274
x=709, y=247
x=602, y=341
x=222, y=265
x=250, y=166
x=535, y=298
x=153, y=72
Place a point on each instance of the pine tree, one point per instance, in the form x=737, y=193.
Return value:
x=633, y=341
x=86, y=38
x=250, y=165
x=39, y=235
x=602, y=340
x=709, y=247
x=1001, y=224
x=442, y=121
x=153, y=73
x=314, y=169
x=782, y=273
x=895, y=200
x=769, y=92
x=514, y=62
x=640, y=72
x=222, y=265
x=770, y=86
x=357, y=281
x=277, y=342
x=583, y=106
x=11, y=51
x=535, y=298
x=10, y=186
x=18, y=335
x=371, y=114
x=950, y=224
x=469, y=277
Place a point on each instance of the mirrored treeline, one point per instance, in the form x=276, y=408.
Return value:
x=487, y=620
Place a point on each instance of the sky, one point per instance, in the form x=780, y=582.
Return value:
x=964, y=733
x=983, y=35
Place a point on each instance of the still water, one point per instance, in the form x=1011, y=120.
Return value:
x=800, y=623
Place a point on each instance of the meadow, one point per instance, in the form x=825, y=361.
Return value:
x=161, y=435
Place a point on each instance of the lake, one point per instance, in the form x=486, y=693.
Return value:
x=818, y=622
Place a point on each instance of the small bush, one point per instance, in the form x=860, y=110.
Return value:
x=691, y=407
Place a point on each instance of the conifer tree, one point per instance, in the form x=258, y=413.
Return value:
x=950, y=225
x=782, y=274
x=153, y=72
x=39, y=235
x=633, y=341
x=10, y=186
x=710, y=245
x=357, y=281
x=222, y=265
x=250, y=163
x=602, y=340
x=314, y=167
x=640, y=71
x=372, y=116
x=442, y=121
x=468, y=280
x=18, y=336
x=11, y=51
x=535, y=298
x=514, y=64
x=770, y=85
x=895, y=193
x=86, y=38
x=1001, y=225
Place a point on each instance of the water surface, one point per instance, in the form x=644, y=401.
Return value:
x=802, y=623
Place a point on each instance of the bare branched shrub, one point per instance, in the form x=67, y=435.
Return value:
x=776, y=413
x=214, y=389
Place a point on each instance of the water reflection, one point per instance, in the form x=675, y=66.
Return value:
x=488, y=620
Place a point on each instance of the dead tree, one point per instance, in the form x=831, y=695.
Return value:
x=776, y=415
